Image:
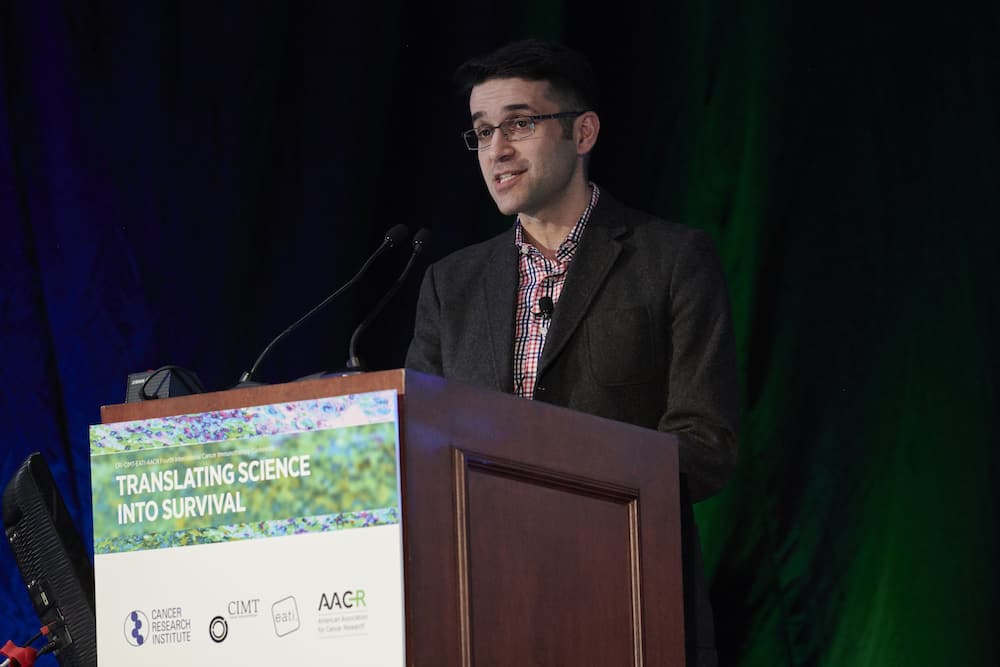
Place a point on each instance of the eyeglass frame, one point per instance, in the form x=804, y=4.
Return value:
x=472, y=134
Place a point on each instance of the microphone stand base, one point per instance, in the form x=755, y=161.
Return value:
x=332, y=374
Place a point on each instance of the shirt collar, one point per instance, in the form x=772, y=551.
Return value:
x=567, y=248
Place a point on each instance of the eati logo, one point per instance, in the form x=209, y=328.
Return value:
x=341, y=600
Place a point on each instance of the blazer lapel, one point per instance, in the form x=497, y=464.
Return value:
x=596, y=254
x=500, y=294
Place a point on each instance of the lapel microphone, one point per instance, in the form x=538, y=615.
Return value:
x=545, y=306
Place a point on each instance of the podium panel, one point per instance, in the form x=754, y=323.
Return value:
x=575, y=567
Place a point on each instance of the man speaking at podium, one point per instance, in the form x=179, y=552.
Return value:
x=585, y=303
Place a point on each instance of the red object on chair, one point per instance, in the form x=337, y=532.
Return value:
x=19, y=657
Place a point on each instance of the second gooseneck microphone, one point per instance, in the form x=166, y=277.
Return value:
x=354, y=362
x=396, y=235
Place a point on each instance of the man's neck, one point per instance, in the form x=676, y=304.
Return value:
x=549, y=229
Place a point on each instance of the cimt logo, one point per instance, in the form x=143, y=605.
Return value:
x=136, y=628
x=218, y=629
x=243, y=608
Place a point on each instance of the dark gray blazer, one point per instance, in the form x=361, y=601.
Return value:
x=642, y=333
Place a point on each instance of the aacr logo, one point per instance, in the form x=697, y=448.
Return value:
x=345, y=600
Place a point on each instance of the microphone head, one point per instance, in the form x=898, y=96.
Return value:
x=546, y=305
x=422, y=236
x=398, y=234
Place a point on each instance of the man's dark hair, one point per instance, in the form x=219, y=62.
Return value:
x=567, y=71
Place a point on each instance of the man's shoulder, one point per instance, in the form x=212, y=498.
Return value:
x=473, y=257
x=640, y=227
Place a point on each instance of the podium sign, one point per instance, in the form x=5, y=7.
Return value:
x=252, y=534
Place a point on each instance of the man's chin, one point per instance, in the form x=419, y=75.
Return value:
x=506, y=205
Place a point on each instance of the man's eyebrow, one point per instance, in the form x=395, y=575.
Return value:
x=510, y=107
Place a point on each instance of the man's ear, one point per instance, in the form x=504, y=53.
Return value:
x=587, y=127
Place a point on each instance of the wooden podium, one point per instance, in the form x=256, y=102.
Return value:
x=532, y=534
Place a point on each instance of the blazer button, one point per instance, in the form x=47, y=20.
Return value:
x=540, y=389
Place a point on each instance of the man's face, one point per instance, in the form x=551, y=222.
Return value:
x=533, y=175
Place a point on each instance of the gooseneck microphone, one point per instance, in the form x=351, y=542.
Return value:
x=354, y=362
x=393, y=237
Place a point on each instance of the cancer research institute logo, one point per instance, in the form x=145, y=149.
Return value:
x=136, y=628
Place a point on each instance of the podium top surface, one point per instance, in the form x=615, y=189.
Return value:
x=256, y=395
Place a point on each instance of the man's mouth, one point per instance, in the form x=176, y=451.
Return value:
x=506, y=177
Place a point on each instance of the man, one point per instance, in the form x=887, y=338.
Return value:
x=585, y=303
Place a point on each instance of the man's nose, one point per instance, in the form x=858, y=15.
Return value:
x=500, y=145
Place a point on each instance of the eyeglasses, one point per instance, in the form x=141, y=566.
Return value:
x=513, y=129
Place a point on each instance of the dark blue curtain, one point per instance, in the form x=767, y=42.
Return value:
x=181, y=180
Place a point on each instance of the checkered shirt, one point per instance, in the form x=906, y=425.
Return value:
x=539, y=276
